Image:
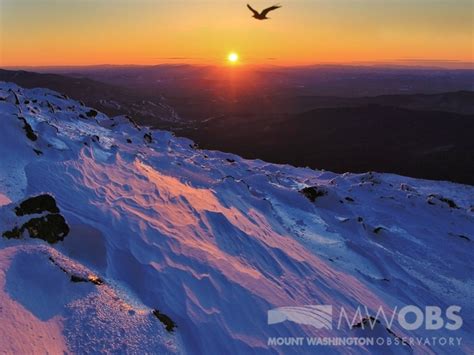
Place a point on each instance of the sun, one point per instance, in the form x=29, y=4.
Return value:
x=233, y=57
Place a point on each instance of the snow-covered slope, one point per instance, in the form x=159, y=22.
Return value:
x=209, y=239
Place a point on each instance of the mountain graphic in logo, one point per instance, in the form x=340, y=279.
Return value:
x=319, y=316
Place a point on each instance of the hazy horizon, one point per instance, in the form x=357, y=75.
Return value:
x=400, y=64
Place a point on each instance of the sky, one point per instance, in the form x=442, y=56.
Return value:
x=302, y=32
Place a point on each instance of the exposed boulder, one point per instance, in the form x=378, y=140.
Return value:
x=379, y=229
x=15, y=233
x=91, y=113
x=49, y=225
x=51, y=228
x=313, y=192
x=170, y=325
x=76, y=277
x=148, y=138
x=37, y=204
x=448, y=201
x=92, y=279
x=366, y=322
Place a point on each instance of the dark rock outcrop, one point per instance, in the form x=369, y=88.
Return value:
x=377, y=230
x=313, y=192
x=37, y=204
x=148, y=138
x=30, y=134
x=91, y=113
x=445, y=200
x=170, y=325
x=49, y=226
x=15, y=233
x=77, y=278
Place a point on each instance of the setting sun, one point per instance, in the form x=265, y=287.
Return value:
x=233, y=57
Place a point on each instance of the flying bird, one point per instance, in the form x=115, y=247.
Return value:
x=262, y=15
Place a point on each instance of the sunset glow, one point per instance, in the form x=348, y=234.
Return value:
x=233, y=57
x=304, y=32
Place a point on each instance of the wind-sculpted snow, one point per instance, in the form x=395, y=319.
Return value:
x=212, y=240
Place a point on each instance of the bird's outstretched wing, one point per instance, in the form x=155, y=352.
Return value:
x=253, y=10
x=267, y=10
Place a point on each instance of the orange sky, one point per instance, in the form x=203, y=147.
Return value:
x=84, y=32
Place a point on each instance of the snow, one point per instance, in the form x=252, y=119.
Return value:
x=4, y=200
x=212, y=244
x=22, y=332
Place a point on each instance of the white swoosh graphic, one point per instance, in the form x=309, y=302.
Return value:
x=317, y=316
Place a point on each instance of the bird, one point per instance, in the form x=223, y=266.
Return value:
x=262, y=15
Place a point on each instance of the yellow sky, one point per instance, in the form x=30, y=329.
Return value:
x=84, y=32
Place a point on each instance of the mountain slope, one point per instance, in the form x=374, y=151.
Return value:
x=161, y=232
x=403, y=134
x=109, y=98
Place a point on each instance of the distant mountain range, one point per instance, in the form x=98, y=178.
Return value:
x=457, y=102
x=429, y=144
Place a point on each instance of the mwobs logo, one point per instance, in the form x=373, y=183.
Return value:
x=409, y=317
x=319, y=316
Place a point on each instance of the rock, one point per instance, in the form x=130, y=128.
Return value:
x=313, y=192
x=30, y=134
x=377, y=230
x=50, y=228
x=447, y=201
x=15, y=233
x=167, y=321
x=91, y=113
x=366, y=322
x=133, y=122
x=75, y=278
x=37, y=204
x=148, y=138
x=406, y=187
